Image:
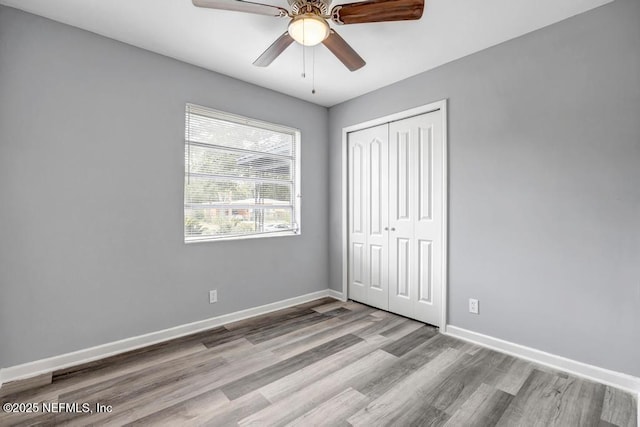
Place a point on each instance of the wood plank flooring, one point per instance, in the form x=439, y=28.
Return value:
x=323, y=363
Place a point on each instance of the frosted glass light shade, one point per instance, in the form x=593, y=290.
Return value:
x=308, y=30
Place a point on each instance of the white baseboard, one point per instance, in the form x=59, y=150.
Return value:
x=336, y=294
x=612, y=378
x=38, y=367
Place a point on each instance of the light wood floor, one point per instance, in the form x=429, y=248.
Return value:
x=325, y=363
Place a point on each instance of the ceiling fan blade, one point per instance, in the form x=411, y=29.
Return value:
x=345, y=53
x=377, y=11
x=242, y=6
x=274, y=50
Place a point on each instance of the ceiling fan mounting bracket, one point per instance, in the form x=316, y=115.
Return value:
x=335, y=15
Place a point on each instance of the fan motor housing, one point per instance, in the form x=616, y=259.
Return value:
x=320, y=7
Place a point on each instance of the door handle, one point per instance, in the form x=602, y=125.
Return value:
x=386, y=229
x=393, y=229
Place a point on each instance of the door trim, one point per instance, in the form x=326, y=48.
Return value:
x=428, y=108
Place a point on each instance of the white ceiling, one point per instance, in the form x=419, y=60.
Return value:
x=229, y=42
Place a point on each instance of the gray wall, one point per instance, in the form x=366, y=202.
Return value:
x=91, y=180
x=544, y=185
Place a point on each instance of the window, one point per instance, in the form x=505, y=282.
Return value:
x=242, y=177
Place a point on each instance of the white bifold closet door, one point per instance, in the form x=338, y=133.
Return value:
x=395, y=216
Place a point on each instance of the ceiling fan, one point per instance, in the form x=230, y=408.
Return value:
x=309, y=26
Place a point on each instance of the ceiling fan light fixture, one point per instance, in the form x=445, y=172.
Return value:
x=308, y=29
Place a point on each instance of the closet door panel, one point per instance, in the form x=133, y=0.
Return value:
x=415, y=217
x=402, y=184
x=370, y=181
x=357, y=215
x=429, y=218
x=377, y=238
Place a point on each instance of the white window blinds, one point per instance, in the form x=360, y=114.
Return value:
x=241, y=177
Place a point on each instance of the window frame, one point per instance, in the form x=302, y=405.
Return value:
x=263, y=125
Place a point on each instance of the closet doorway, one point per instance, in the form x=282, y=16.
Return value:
x=396, y=213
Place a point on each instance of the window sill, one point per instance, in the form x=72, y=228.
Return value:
x=245, y=237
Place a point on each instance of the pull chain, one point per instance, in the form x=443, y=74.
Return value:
x=313, y=72
x=304, y=52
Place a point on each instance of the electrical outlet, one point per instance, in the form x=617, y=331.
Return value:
x=213, y=296
x=473, y=306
